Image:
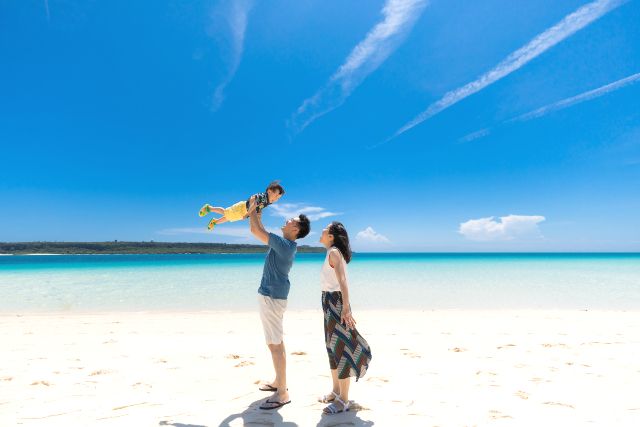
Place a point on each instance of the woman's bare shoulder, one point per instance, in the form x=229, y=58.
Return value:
x=335, y=254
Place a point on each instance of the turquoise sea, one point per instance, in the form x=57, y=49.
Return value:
x=82, y=283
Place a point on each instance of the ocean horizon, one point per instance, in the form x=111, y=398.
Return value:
x=411, y=280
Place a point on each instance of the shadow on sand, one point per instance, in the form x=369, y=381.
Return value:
x=254, y=416
x=349, y=418
x=167, y=423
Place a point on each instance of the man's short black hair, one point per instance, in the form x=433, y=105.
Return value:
x=304, y=226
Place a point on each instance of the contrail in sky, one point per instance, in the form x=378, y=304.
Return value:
x=568, y=26
x=586, y=96
x=234, y=16
x=365, y=58
x=560, y=105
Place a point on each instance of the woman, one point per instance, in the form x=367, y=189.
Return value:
x=349, y=353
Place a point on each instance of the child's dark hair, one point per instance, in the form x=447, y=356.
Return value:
x=341, y=239
x=304, y=226
x=275, y=186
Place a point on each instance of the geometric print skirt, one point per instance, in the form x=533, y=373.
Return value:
x=348, y=352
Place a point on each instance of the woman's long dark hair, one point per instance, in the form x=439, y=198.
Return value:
x=341, y=239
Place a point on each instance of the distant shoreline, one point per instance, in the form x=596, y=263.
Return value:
x=128, y=248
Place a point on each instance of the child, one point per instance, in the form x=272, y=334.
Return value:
x=239, y=210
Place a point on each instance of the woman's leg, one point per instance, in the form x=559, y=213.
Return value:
x=335, y=390
x=344, y=389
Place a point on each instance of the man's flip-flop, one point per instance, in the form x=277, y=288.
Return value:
x=273, y=405
x=205, y=209
x=212, y=224
x=268, y=387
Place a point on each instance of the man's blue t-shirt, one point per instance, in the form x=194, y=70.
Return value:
x=275, y=276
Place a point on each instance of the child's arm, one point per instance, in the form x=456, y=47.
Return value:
x=257, y=229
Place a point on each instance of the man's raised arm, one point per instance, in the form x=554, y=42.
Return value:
x=257, y=229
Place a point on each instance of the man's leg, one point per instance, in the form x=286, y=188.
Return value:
x=279, y=357
x=271, y=314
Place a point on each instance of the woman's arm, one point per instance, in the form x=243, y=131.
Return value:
x=335, y=259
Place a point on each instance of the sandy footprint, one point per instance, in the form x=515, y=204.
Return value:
x=244, y=363
x=299, y=353
x=100, y=372
x=521, y=394
x=117, y=408
x=458, y=350
x=232, y=356
x=559, y=345
x=497, y=415
x=565, y=405
x=46, y=383
x=500, y=347
x=377, y=380
x=142, y=385
x=493, y=374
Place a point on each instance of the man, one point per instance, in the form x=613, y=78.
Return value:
x=273, y=293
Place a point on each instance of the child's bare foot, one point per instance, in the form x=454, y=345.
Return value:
x=212, y=224
x=205, y=209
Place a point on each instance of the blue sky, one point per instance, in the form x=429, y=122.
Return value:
x=421, y=125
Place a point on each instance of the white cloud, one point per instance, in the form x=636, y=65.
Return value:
x=365, y=58
x=585, y=96
x=508, y=228
x=232, y=17
x=517, y=59
x=369, y=235
x=289, y=210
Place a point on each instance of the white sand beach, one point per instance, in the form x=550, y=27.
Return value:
x=435, y=368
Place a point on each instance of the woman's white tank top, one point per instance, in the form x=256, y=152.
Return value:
x=328, y=276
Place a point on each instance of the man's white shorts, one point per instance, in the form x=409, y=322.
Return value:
x=271, y=314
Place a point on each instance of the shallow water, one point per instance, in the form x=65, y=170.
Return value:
x=395, y=281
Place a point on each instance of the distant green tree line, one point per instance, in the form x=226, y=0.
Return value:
x=117, y=247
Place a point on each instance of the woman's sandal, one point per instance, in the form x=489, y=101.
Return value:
x=328, y=398
x=205, y=209
x=212, y=224
x=332, y=408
